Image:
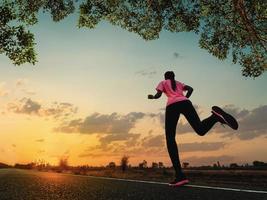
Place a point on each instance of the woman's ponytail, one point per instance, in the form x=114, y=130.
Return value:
x=170, y=75
x=173, y=82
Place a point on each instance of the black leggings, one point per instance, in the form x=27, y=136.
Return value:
x=172, y=115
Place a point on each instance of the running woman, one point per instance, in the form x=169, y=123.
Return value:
x=179, y=104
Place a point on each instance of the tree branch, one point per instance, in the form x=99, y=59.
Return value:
x=240, y=8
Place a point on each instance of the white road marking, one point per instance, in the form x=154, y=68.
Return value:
x=188, y=185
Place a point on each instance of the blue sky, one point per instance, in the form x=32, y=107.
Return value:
x=87, y=60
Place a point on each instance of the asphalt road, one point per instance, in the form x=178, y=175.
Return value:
x=28, y=185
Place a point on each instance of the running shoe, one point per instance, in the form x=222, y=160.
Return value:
x=179, y=182
x=224, y=117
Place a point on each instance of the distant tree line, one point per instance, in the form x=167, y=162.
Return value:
x=3, y=165
x=124, y=165
x=256, y=165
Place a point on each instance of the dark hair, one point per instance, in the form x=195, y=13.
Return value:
x=170, y=75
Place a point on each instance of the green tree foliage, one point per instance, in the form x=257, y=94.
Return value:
x=226, y=28
x=16, y=16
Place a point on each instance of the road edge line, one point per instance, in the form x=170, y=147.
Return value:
x=189, y=185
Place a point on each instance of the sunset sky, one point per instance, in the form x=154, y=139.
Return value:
x=86, y=99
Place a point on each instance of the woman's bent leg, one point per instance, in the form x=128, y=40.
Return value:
x=171, y=119
x=200, y=127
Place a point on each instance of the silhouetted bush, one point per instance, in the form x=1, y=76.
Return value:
x=111, y=165
x=24, y=166
x=3, y=165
